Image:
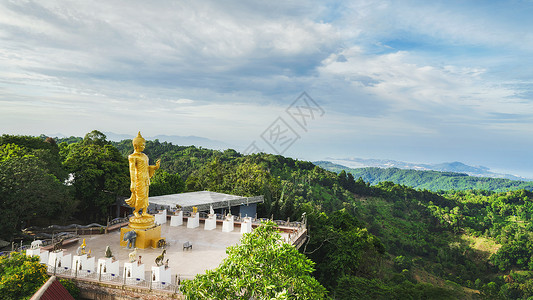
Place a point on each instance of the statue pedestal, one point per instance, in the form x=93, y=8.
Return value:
x=193, y=221
x=134, y=270
x=160, y=274
x=84, y=264
x=161, y=218
x=177, y=220
x=228, y=224
x=44, y=257
x=246, y=225
x=78, y=261
x=107, y=266
x=145, y=221
x=210, y=223
x=66, y=262
x=33, y=252
x=145, y=237
x=54, y=260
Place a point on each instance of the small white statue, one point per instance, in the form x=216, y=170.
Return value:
x=36, y=244
x=211, y=210
x=133, y=255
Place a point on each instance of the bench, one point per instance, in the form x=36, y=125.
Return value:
x=187, y=245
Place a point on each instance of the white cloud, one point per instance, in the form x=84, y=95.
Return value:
x=409, y=86
x=183, y=101
x=194, y=36
x=227, y=70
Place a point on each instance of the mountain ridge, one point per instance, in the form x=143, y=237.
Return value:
x=429, y=179
x=456, y=167
x=174, y=139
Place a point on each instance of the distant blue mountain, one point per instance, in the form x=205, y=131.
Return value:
x=429, y=179
x=456, y=167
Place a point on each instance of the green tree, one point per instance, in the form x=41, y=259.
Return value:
x=261, y=267
x=11, y=150
x=164, y=183
x=342, y=246
x=71, y=287
x=100, y=174
x=29, y=192
x=44, y=148
x=20, y=276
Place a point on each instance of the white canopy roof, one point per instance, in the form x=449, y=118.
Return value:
x=203, y=200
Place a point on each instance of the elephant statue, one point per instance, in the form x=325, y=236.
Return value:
x=130, y=236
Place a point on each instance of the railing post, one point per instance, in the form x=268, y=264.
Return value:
x=124, y=282
x=76, y=271
x=177, y=285
x=55, y=266
x=100, y=275
x=151, y=276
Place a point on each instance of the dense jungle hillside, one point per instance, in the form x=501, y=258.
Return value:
x=430, y=180
x=376, y=240
x=382, y=241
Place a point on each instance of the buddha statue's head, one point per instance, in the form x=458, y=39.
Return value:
x=139, y=142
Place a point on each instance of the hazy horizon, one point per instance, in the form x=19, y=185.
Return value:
x=220, y=145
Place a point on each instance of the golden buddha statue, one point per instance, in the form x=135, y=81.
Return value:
x=140, y=173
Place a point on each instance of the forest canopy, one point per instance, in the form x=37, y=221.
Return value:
x=376, y=241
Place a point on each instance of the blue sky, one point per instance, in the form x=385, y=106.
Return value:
x=418, y=81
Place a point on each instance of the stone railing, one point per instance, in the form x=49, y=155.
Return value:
x=45, y=242
x=119, y=280
x=117, y=221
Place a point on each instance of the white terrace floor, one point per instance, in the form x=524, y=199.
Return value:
x=208, y=251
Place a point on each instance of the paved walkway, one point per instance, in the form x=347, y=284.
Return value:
x=208, y=251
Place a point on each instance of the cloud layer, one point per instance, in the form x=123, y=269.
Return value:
x=439, y=80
